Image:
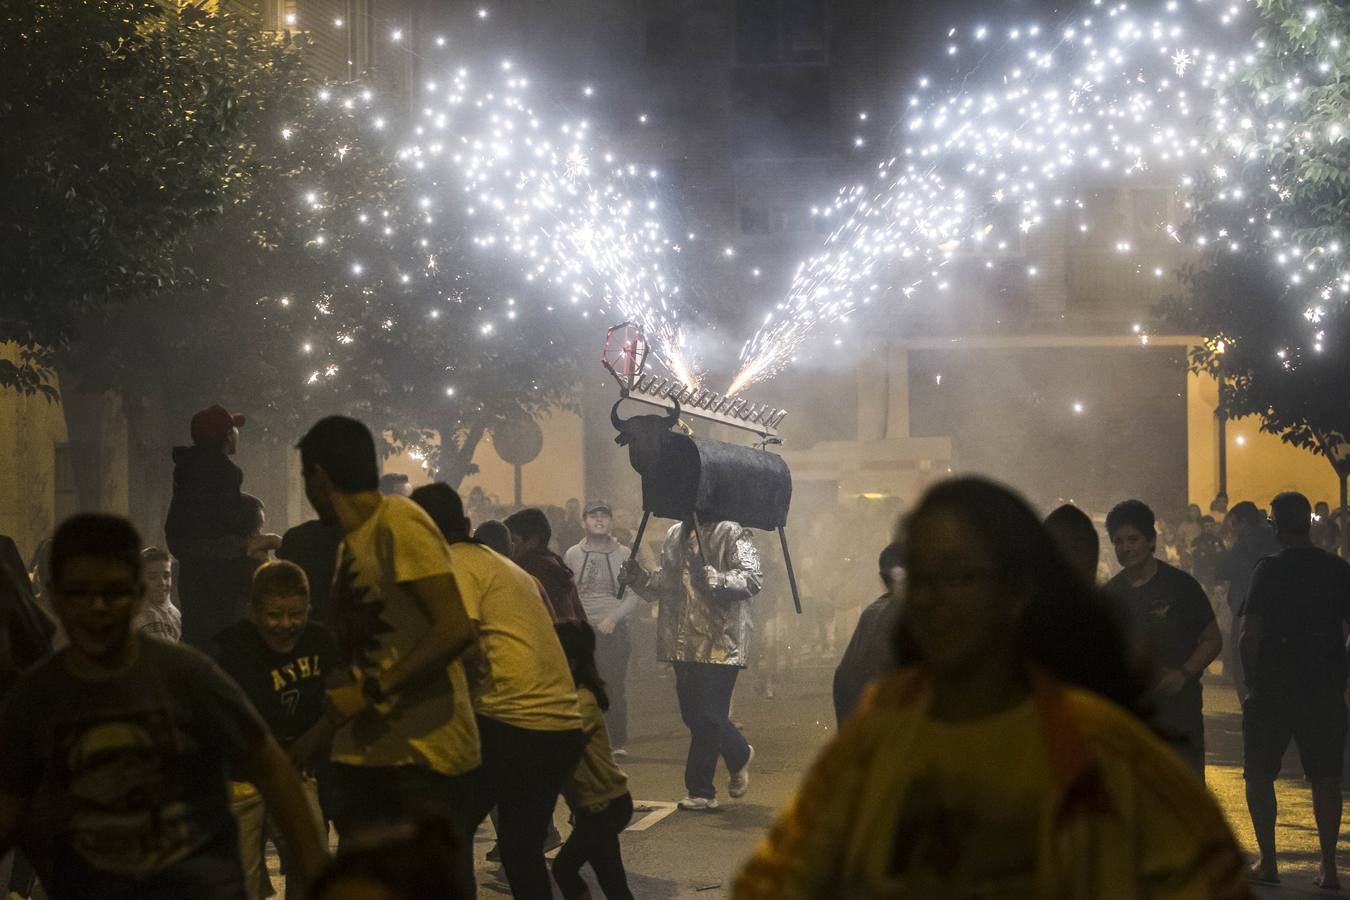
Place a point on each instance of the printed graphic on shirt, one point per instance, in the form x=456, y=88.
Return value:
x=359, y=618
x=957, y=842
x=286, y=677
x=119, y=773
x=597, y=576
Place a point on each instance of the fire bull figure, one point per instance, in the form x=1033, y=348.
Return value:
x=708, y=573
x=696, y=480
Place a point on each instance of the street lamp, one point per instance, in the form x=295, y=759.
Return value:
x=1220, y=502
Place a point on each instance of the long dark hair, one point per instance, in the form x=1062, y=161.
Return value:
x=578, y=643
x=1068, y=629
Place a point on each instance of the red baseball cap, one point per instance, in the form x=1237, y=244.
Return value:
x=212, y=425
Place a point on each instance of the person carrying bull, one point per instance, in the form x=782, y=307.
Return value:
x=703, y=629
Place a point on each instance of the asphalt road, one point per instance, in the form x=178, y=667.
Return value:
x=673, y=854
x=695, y=855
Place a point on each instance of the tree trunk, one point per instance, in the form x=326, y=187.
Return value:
x=457, y=450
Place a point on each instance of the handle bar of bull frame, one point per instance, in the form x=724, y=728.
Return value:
x=782, y=536
x=637, y=545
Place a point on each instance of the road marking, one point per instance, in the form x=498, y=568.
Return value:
x=655, y=810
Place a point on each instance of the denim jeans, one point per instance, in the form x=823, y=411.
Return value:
x=704, y=691
x=256, y=827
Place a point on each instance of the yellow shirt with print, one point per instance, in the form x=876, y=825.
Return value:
x=969, y=807
x=378, y=622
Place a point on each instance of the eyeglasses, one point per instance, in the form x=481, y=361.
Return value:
x=113, y=596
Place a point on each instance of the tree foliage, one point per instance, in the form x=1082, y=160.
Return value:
x=326, y=285
x=1271, y=290
x=122, y=129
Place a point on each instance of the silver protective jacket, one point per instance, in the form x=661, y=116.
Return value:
x=696, y=623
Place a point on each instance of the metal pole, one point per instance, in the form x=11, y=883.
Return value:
x=637, y=545
x=792, y=577
x=1223, y=457
x=1220, y=502
x=519, y=485
x=698, y=539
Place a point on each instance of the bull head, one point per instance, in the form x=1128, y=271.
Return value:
x=643, y=435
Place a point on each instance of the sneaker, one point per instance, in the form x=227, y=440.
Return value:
x=703, y=804
x=619, y=752
x=740, y=779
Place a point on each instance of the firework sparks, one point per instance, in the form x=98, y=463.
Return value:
x=532, y=189
x=1117, y=96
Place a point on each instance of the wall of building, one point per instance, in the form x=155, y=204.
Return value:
x=30, y=430
x=1260, y=465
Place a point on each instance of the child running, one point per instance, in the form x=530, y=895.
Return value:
x=597, y=790
x=280, y=659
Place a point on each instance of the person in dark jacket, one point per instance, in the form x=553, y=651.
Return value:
x=1073, y=532
x=211, y=528
x=530, y=535
x=1253, y=539
x=313, y=546
x=25, y=632
x=869, y=653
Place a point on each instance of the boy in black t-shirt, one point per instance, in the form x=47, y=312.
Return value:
x=114, y=751
x=1174, y=622
x=281, y=660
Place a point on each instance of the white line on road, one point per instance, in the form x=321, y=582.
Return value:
x=655, y=810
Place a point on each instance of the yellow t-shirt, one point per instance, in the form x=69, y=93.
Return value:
x=529, y=684
x=960, y=818
x=378, y=622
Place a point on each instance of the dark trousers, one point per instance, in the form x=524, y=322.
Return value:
x=704, y=691
x=1232, y=658
x=1180, y=720
x=611, y=658
x=364, y=797
x=595, y=840
x=522, y=772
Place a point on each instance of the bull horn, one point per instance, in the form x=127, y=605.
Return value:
x=614, y=416
x=674, y=418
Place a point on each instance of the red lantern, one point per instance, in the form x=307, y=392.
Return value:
x=625, y=353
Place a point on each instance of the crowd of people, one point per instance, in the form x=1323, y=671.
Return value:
x=412, y=663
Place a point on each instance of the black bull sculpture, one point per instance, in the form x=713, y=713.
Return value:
x=697, y=480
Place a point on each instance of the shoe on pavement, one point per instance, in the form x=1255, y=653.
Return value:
x=703, y=804
x=554, y=839
x=619, y=752
x=740, y=779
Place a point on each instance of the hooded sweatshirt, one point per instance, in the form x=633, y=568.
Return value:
x=208, y=518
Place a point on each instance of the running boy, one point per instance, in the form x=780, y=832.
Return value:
x=114, y=751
